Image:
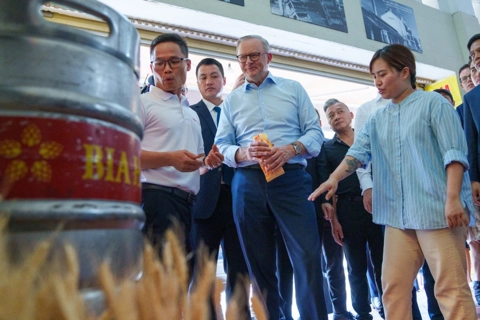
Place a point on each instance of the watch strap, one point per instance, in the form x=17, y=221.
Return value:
x=296, y=147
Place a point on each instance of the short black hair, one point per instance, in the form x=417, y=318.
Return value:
x=169, y=37
x=445, y=91
x=209, y=62
x=472, y=40
x=465, y=66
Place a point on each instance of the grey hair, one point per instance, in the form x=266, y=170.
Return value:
x=266, y=45
x=328, y=103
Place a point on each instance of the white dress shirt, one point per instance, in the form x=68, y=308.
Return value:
x=363, y=112
x=210, y=107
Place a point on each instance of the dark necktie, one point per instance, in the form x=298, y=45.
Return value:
x=218, y=110
x=227, y=172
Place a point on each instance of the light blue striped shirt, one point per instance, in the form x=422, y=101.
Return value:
x=279, y=107
x=410, y=145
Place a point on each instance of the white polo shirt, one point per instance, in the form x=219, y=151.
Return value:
x=169, y=125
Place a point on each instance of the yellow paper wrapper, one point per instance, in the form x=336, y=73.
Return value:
x=269, y=175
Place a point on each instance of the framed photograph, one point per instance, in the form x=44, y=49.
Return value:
x=391, y=22
x=237, y=2
x=325, y=13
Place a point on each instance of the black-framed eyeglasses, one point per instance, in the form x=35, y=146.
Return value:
x=474, y=52
x=253, y=56
x=465, y=79
x=172, y=62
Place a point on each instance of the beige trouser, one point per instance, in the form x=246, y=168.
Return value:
x=444, y=250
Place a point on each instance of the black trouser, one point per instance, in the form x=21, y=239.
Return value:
x=359, y=230
x=219, y=229
x=333, y=268
x=429, y=285
x=163, y=209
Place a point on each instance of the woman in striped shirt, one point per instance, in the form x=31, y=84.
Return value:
x=421, y=187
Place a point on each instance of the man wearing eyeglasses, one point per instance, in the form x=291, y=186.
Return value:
x=466, y=83
x=172, y=149
x=282, y=109
x=474, y=74
x=465, y=78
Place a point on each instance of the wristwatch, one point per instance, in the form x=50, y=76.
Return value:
x=297, y=148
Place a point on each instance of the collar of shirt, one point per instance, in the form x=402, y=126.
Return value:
x=164, y=95
x=249, y=85
x=406, y=100
x=379, y=98
x=338, y=140
x=210, y=105
x=377, y=103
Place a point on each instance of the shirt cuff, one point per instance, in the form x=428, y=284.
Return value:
x=312, y=146
x=229, y=156
x=455, y=156
x=366, y=183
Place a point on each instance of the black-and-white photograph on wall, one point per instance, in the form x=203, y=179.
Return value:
x=390, y=22
x=325, y=13
x=238, y=2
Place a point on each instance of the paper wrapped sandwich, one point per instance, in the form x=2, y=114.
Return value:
x=269, y=175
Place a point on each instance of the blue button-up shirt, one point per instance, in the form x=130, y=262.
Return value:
x=278, y=107
x=410, y=145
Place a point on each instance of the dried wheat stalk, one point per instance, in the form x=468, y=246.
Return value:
x=28, y=291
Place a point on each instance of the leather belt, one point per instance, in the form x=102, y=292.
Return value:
x=184, y=195
x=286, y=166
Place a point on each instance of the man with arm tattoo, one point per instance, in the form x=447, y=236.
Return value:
x=352, y=225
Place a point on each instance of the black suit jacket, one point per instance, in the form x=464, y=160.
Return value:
x=460, y=112
x=210, y=182
x=471, y=125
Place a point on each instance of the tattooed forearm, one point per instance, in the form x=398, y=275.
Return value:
x=353, y=164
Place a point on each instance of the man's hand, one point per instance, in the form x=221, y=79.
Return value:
x=328, y=211
x=337, y=231
x=278, y=157
x=214, y=158
x=185, y=161
x=476, y=192
x=455, y=214
x=255, y=151
x=367, y=200
x=330, y=185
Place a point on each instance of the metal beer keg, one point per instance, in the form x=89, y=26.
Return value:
x=70, y=135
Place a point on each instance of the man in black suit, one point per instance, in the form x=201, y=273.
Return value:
x=471, y=109
x=212, y=212
x=472, y=121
